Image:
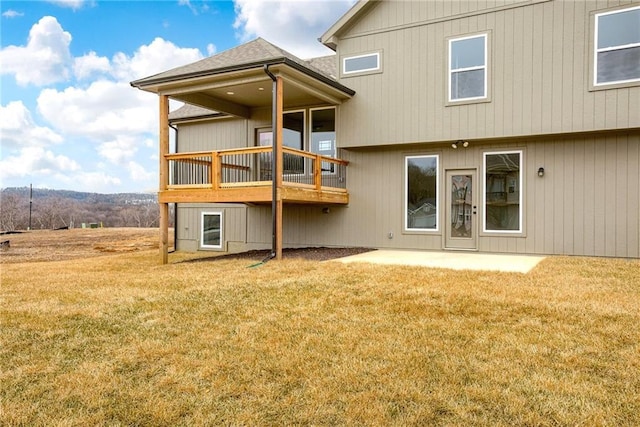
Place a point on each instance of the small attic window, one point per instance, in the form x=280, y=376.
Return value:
x=366, y=63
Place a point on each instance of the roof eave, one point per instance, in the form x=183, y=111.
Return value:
x=152, y=84
x=151, y=81
x=329, y=37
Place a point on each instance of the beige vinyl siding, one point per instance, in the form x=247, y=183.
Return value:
x=234, y=223
x=212, y=135
x=219, y=134
x=539, y=75
x=587, y=203
x=387, y=15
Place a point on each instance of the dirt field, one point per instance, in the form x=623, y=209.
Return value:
x=59, y=245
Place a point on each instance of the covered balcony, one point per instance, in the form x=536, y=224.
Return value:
x=240, y=83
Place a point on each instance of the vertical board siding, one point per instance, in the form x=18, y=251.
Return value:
x=539, y=74
x=222, y=133
x=190, y=226
x=212, y=135
x=587, y=203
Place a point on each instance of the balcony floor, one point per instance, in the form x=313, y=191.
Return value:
x=255, y=194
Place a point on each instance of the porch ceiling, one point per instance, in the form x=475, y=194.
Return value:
x=237, y=92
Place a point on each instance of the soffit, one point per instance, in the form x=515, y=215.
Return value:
x=237, y=92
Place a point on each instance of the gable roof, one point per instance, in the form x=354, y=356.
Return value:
x=255, y=53
x=329, y=37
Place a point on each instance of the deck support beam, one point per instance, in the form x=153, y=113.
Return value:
x=279, y=167
x=164, y=177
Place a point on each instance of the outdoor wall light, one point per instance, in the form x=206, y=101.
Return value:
x=540, y=172
x=465, y=144
x=326, y=210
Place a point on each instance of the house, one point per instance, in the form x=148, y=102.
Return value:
x=509, y=126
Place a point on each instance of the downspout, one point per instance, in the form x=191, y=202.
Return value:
x=274, y=160
x=175, y=205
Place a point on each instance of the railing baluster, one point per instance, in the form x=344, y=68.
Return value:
x=219, y=169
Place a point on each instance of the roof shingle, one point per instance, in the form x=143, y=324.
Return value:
x=255, y=51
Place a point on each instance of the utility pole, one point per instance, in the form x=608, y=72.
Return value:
x=30, y=203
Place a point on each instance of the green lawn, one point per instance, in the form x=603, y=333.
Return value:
x=120, y=340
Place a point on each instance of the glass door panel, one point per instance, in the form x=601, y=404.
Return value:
x=461, y=210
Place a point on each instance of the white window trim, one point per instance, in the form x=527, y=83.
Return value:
x=596, y=50
x=450, y=71
x=364, y=70
x=305, y=142
x=520, y=193
x=202, y=215
x=406, y=191
x=310, y=127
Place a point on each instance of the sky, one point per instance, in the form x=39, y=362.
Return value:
x=69, y=119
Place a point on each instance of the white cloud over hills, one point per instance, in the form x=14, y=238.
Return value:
x=98, y=107
x=81, y=126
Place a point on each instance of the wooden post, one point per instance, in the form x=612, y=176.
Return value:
x=216, y=170
x=279, y=166
x=317, y=173
x=164, y=177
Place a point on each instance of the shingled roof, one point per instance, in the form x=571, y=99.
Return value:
x=250, y=54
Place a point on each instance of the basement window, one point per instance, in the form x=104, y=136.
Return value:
x=211, y=235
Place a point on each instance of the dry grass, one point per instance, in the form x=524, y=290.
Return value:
x=50, y=245
x=121, y=340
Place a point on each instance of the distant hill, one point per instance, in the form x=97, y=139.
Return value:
x=42, y=193
x=64, y=208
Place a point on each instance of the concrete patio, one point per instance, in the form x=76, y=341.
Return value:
x=454, y=260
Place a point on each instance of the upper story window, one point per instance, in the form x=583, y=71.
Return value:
x=617, y=47
x=468, y=68
x=366, y=63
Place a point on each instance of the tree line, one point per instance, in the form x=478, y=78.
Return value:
x=54, y=209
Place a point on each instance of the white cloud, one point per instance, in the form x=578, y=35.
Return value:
x=72, y=4
x=202, y=6
x=90, y=64
x=44, y=60
x=12, y=14
x=283, y=21
x=102, y=111
x=98, y=181
x=139, y=174
x=119, y=151
x=35, y=161
x=160, y=55
x=211, y=49
x=19, y=130
x=109, y=110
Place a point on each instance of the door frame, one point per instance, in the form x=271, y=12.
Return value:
x=453, y=242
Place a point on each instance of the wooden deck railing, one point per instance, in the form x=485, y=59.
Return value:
x=251, y=166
